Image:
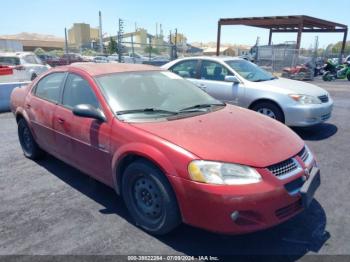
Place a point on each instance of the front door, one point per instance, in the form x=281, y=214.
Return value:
x=89, y=144
x=212, y=81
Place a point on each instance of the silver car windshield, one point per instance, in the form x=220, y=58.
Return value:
x=250, y=71
x=153, y=94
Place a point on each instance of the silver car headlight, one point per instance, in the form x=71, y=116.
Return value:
x=222, y=173
x=305, y=99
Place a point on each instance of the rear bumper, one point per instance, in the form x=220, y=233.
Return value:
x=308, y=115
x=212, y=207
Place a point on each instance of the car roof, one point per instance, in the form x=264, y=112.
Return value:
x=216, y=58
x=94, y=69
x=15, y=54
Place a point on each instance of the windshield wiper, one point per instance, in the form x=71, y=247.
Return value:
x=200, y=106
x=146, y=110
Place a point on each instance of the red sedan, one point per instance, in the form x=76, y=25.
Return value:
x=174, y=153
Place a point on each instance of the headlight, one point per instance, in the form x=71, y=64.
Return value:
x=222, y=173
x=305, y=99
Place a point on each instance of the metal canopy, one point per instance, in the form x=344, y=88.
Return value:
x=286, y=24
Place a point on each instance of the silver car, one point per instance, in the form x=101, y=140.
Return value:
x=240, y=82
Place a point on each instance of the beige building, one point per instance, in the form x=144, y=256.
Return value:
x=226, y=51
x=82, y=34
x=30, y=41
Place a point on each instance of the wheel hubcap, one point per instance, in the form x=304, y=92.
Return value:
x=147, y=198
x=267, y=112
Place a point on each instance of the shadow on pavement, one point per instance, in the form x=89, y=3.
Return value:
x=286, y=242
x=317, y=132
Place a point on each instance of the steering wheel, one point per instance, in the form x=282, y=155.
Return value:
x=250, y=75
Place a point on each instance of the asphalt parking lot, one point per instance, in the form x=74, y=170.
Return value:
x=47, y=207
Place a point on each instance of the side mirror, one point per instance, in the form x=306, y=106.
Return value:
x=232, y=79
x=88, y=111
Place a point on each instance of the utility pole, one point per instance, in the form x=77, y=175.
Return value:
x=132, y=48
x=171, y=52
x=65, y=41
x=101, y=40
x=120, y=38
x=150, y=47
x=175, y=40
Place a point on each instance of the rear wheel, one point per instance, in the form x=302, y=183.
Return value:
x=33, y=76
x=150, y=198
x=29, y=146
x=269, y=109
x=348, y=76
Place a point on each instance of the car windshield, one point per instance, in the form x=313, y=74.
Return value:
x=250, y=71
x=154, y=94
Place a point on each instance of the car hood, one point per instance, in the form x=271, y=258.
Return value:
x=289, y=86
x=232, y=134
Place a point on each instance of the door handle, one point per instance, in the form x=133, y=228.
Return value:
x=60, y=120
x=202, y=86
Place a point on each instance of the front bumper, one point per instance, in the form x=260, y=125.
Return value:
x=260, y=206
x=307, y=115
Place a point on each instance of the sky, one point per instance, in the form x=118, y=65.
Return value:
x=196, y=19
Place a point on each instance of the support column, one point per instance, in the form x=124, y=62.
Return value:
x=344, y=42
x=300, y=30
x=270, y=37
x=218, y=40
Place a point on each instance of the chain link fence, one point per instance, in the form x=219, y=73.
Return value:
x=284, y=60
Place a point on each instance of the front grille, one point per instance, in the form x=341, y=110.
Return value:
x=283, y=168
x=324, y=98
x=304, y=154
x=288, y=210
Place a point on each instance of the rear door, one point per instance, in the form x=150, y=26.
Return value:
x=187, y=69
x=84, y=142
x=41, y=106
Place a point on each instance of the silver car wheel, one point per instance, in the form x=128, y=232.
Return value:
x=267, y=112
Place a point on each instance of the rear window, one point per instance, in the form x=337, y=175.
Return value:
x=31, y=59
x=9, y=60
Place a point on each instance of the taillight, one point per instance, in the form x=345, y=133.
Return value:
x=5, y=70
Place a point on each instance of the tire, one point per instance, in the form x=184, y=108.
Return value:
x=285, y=75
x=348, y=76
x=150, y=198
x=327, y=76
x=29, y=146
x=269, y=109
x=33, y=77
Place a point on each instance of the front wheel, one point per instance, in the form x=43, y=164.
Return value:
x=29, y=146
x=269, y=109
x=150, y=198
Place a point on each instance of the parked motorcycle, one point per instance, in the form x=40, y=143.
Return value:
x=300, y=72
x=335, y=71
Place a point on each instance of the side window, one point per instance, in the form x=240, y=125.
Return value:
x=213, y=71
x=30, y=59
x=48, y=88
x=78, y=91
x=186, y=69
